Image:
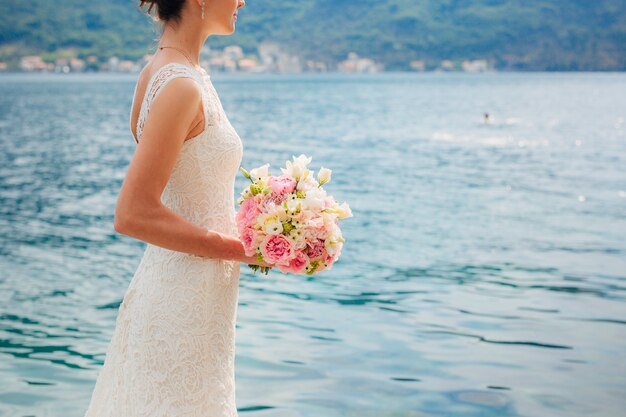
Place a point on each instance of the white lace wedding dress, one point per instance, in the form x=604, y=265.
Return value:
x=173, y=348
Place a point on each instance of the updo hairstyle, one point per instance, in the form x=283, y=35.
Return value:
x=167, y=11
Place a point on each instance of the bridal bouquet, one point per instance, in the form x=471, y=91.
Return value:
x=289, y=221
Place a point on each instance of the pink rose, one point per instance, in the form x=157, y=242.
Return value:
x=282, y=185
x=277, y=249
x=329, y=201
x=297, y=265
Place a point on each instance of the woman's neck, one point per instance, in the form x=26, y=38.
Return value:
x=185, y=40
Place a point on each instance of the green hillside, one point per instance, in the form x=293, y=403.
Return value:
x=516, y=34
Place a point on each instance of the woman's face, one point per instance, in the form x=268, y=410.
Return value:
x=221, y=15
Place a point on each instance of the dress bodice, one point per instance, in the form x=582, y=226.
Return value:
x=201, y=185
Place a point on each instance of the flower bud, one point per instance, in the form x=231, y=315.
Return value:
x=323, y=176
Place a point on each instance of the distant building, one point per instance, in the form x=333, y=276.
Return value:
x=112, y=63
x=61, y=65
x=248, y=65
x=222, y=63
x=77, y=65
x=274, y=59
x=477, y=65
x=446, y=65
x=234, y=52
x=128, y=66
x=216, y=64
x=361, y=65
x=315, y=66
x=33, y=63
x=289, y=64
x=417, y=65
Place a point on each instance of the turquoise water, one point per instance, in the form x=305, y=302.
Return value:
x=484, y=272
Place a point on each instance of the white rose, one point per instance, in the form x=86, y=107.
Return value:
x=314, y=198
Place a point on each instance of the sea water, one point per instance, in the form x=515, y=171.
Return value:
x=483, y=274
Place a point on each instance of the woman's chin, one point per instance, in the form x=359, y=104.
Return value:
x=231, y=28
x=227, y=31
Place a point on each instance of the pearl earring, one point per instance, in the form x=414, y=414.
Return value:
x=203, y=9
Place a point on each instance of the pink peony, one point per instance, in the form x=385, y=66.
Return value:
x=248, y=212
x=297, y=265
x=282, y=185
x=316, y=249
x=250, y=239
x=277, y=249
x=269, y=202
x=277, y=199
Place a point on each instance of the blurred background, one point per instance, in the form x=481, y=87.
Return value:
x=480, y=144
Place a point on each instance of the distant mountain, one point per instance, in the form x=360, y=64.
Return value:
x=513, y=34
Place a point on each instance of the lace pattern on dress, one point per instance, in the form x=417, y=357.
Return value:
x=160, y=79
x=173, y=349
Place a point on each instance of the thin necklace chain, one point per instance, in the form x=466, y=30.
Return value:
x=183, y=52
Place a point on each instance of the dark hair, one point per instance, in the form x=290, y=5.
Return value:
x=166, y=10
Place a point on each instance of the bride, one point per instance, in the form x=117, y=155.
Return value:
x=172, y=351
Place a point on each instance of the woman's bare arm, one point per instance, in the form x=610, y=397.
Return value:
x=139, y=212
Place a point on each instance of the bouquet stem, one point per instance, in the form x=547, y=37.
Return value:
x=263, y=269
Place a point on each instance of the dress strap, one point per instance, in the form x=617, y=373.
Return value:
x=159, y=79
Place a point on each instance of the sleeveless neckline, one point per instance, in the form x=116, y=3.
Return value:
x=201, y=73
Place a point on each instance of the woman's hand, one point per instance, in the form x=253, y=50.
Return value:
x=254, y=261
x=256, y=265
x=239, y=254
